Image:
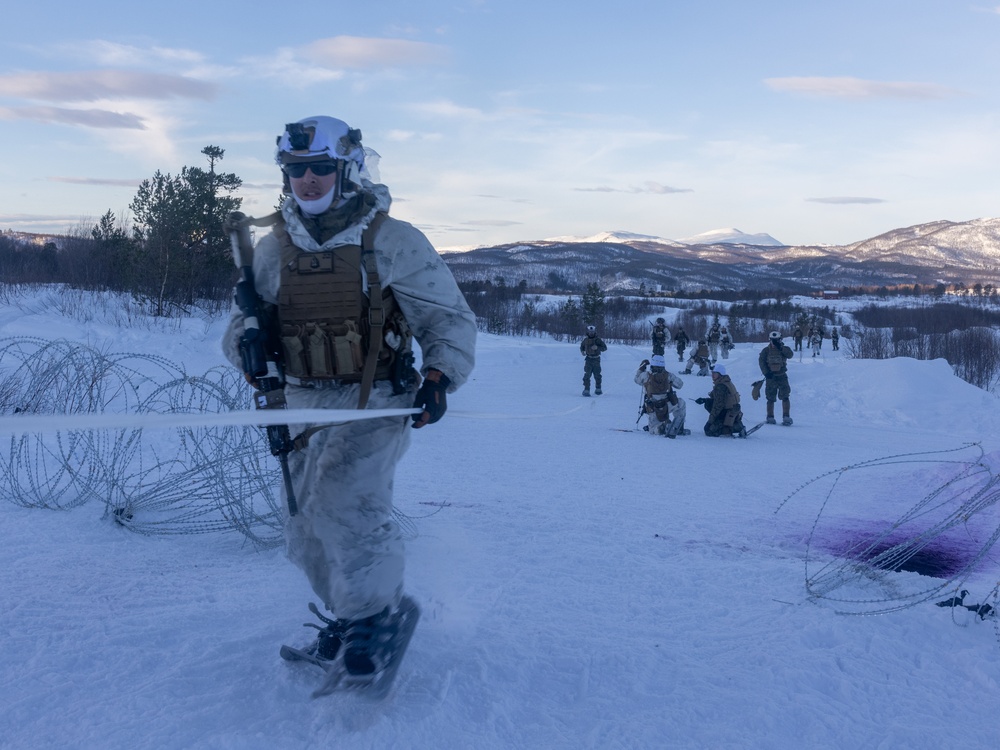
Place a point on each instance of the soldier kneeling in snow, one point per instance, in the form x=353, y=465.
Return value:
x=664, y=410
x=725, y=417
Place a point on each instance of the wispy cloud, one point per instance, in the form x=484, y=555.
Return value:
x=448, y=109
x=368, y=52
x=90, y=85
x=91, y=118
x=859, y=88
x=411, y=135
x=490, y=196
x=55, y=220
x=491, y=223
x=846, y=199
x=113, y=54
x=96, y=181
x=649, y=187
x=286, y=65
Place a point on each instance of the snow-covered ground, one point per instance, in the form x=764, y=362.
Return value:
x=582, y=585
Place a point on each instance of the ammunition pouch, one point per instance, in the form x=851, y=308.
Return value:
x=332, y=332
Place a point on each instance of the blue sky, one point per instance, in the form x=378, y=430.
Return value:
x=506, y=121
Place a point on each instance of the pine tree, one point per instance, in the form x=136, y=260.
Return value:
x=178, y=225
x=593, y=304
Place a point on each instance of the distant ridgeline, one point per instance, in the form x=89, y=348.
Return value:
x=941, y=252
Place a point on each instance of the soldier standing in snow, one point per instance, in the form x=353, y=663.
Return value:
x=725, y=342
x=681, y=340
x=699, y=357
x=660, y=336
x=725, y=417
x=346, y=287
x=714, y=335
x=591, y=348
x=773, y=365
x=665, y=412
x=835, y=339
x=816, y=341
x=797, y=335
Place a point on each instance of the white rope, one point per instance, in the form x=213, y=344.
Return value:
x=36, y=423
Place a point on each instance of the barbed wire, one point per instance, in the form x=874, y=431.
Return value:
x=189, y=481
x=952, y=519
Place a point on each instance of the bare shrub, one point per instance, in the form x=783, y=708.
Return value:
x=870, y=343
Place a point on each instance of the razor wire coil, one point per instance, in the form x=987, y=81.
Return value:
x=965, y=493
x=191, y=481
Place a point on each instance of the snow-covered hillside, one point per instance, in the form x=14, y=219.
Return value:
x=926, y=254
x=731, y=236
x=583, y=584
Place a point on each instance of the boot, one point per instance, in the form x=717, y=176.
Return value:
x=598, y=391
x=770, y=413
x=786, y=408
x=366, y=642
x=586, y=391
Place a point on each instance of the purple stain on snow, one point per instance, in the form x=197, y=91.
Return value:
x=943, y=556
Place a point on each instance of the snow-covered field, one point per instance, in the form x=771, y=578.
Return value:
x=582, y=587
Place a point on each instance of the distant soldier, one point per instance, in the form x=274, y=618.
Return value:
x=835, y=339
x=660, y=336
x=681, y=340
x=816, y=341
x=591, y=348
x=725, y=417
x=725, y=342
x=699, y=357
x=665, y=412
x=714, y=335
x=797, y=335
x=773, y=361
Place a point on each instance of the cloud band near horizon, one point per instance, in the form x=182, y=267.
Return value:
x=92, y=85
x=845, y=87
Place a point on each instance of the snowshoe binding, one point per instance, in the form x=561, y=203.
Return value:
x=368, y=651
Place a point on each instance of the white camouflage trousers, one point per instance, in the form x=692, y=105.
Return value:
x=344, y=537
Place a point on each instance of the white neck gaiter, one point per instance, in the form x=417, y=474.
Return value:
x=318, y=206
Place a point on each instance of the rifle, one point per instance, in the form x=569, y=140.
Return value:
x=642, y=407
x=261, y=362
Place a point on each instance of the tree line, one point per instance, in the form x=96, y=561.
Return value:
x=964, y=335
x=510, y=309
x=169, y=254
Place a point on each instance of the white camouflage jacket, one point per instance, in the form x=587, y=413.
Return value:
x=441, y=321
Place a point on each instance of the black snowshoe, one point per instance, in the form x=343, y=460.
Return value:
x=367, y=653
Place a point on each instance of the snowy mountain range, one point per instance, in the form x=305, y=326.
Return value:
x=925, y=254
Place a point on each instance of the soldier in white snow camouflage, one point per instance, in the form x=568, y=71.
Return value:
x=312, y=273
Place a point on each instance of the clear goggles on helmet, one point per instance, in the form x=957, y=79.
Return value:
x=318, y=168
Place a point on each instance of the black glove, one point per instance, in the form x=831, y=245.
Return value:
x=431, y=398
x=643, y=364
x=700, y=400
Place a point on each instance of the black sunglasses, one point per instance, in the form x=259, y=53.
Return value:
x=318, y=168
